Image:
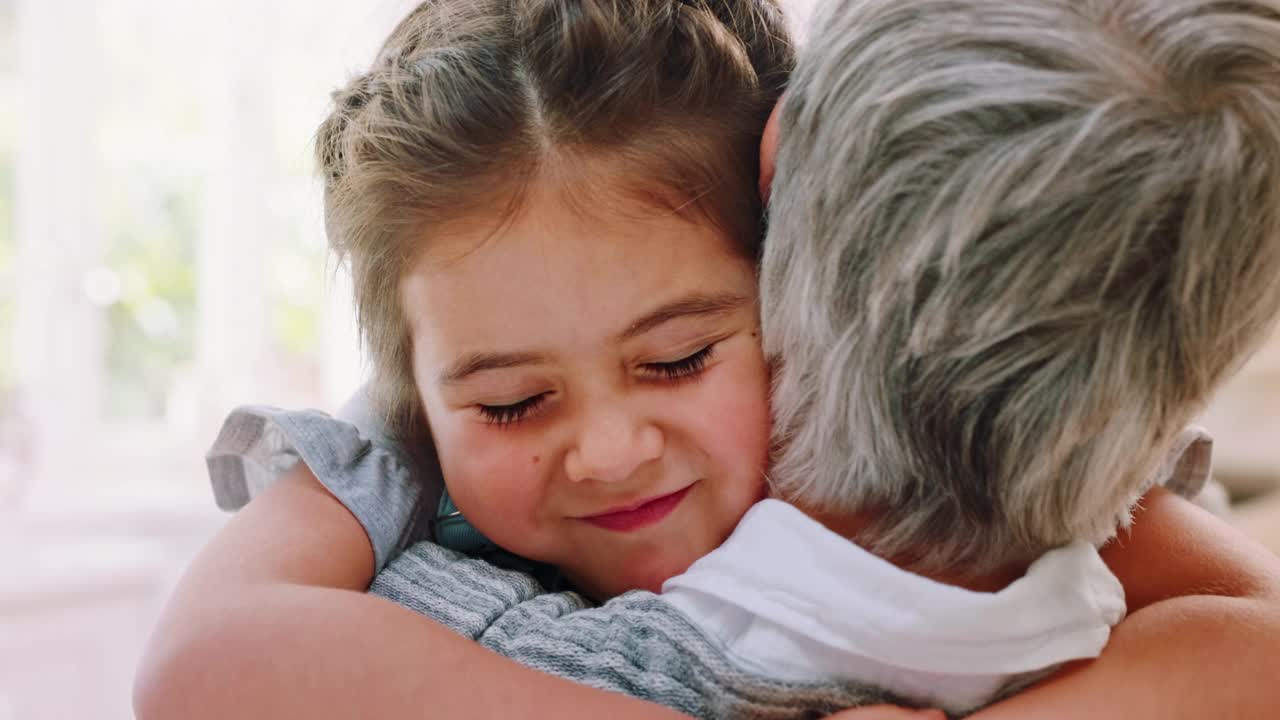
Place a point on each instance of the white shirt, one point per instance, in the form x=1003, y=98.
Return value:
x=788, y=598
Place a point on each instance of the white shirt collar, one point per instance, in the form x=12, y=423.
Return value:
x=782, y=565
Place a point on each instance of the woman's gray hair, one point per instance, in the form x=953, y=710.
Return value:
x=1014, y=247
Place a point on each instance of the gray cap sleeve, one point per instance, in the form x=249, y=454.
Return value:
x=1188, y=471
x=391, y=494
x=1189, y=465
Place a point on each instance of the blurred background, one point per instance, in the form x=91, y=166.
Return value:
x=161, y=260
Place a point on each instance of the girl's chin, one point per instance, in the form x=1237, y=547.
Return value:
x=644, y=566
x=653, y=577
x=615, y=584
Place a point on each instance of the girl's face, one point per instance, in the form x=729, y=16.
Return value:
x=594, y=384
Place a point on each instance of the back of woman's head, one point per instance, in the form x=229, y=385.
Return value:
x=1015, y=246
x=469, y=101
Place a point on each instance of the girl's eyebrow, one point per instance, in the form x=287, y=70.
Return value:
x=697, y=304
x=479, y=362
x=691, y=305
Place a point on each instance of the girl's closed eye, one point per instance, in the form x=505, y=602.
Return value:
x=504, y=415
x=684, y=368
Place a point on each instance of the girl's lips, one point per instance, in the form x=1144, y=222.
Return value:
x=643, y=515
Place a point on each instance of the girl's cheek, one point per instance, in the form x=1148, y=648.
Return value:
x=740, y=399
x=483, y=455
x=496, y=482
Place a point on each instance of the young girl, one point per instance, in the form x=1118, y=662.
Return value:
x=549, y=212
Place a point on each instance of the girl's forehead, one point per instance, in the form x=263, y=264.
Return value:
x=572, y=228
x=551, y=274
x=569, y=191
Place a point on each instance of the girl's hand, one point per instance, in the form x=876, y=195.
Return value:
x=887, y=712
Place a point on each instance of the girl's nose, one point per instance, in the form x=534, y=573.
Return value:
x=612, y=445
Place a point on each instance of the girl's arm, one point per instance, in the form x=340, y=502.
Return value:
x=290, y=633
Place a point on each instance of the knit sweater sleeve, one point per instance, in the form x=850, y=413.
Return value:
x=635, y=644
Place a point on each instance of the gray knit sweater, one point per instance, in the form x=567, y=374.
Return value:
x=635, y=644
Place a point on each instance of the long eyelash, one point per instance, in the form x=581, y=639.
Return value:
x=684, y=368
x=503, y=415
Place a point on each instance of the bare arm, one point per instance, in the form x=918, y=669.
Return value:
x=1202, y=639
x=1203, y=636
x=289, y=632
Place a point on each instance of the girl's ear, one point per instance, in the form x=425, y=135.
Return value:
x=769, y=152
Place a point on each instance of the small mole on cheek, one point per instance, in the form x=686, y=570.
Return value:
x=537, y=459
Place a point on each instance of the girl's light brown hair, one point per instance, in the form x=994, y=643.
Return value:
x=469, y=100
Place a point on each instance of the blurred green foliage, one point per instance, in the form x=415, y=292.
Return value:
x=151, y=134
x=296, y=291
x=151, y=327
x=157, y=146
x=154, y=147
